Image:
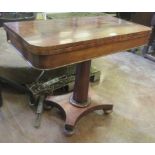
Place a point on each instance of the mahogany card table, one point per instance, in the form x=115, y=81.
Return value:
x=59, y=42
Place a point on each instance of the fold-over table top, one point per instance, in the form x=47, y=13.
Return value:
x=62, y=32
x=58, y=36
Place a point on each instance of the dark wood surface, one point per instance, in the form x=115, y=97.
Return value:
x=73, y=113
x=58, y=42
x=50, y=44
x=81, y=86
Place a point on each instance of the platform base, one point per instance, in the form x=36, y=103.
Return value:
x=73, y=113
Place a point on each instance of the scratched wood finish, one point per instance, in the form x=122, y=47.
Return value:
x=58, y=42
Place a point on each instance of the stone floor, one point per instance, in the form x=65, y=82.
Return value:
x=127, y=81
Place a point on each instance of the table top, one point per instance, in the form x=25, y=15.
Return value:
x=59, y=36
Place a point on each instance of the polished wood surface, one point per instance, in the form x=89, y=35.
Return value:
x=81, y=86
x=50, y=44
x=54, y=43
x=73, y=113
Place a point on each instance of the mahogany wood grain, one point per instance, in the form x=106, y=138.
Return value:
x=81, y=86
x=73, y=113
x=55, y=43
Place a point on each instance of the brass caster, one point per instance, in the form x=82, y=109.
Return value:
x=69, y=130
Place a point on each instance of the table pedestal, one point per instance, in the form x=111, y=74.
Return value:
x=78, y=104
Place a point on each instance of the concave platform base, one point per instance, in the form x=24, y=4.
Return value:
x=73, y=113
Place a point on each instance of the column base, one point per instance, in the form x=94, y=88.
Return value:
x=73, y=113
x=79, y=105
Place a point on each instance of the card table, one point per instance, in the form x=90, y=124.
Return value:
x=54, y=43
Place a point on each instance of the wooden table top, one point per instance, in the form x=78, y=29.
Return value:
x=37, y=40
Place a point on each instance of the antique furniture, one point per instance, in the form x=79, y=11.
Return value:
x=47, y=82
x=59, y=42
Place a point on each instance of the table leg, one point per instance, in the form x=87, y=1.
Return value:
x=81, y=86
x=77, y=104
